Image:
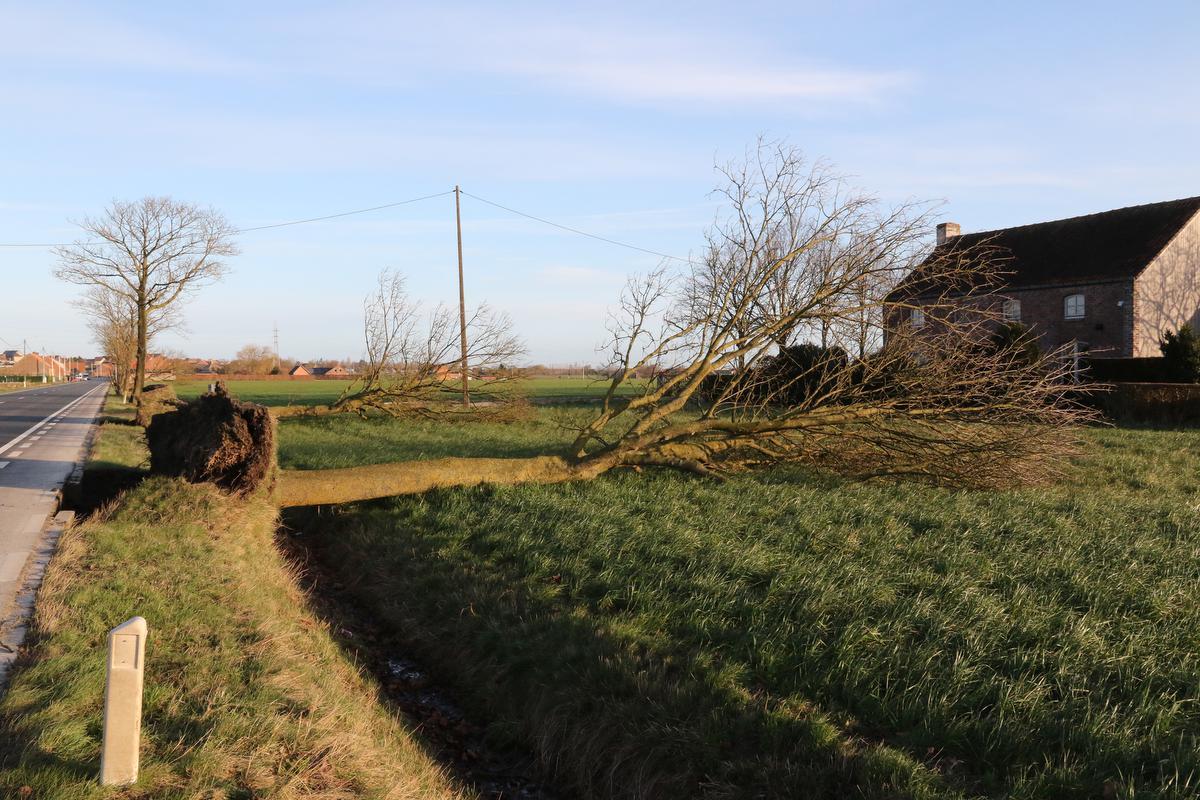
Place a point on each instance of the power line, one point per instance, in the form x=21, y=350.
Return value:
x=276, y=224
x=577, y=231
x=344, y=213
x=509, y=209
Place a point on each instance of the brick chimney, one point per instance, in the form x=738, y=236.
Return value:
x=947, y=230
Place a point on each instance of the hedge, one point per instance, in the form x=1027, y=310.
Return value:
x=1154, y=403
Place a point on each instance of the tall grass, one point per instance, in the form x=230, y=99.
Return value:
x=789, y=634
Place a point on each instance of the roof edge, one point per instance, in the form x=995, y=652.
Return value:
x=1195, y=199
x=1195, y=215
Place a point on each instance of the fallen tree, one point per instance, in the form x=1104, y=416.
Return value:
x=798, y=258
x=414, y=361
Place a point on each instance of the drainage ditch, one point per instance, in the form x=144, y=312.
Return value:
x=456, y=739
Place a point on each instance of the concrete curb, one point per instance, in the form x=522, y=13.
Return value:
x=16, y=625
x=71, y=494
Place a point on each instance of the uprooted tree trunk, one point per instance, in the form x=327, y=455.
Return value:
x=932, y=394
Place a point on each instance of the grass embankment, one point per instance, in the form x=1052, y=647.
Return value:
x=247, y=693
x=789, y=634
x=118, y=457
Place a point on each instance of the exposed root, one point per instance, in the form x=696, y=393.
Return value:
x=215, y=439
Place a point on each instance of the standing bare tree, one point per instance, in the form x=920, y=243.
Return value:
x=112, y=318
x=114, y=326
x=252, y=359
x=151, y=254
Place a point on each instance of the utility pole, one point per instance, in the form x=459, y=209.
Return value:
x=277, y=346
x=462, y=301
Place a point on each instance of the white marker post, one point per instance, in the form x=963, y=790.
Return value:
x=123, y=703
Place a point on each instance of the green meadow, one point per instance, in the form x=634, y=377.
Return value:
x=788, y=633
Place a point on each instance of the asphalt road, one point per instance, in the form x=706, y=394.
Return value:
x=43, y=436
x=24, y=408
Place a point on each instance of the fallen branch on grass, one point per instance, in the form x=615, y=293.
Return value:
x=948, y=401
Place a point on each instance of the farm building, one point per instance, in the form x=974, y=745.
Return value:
x=1110, y=283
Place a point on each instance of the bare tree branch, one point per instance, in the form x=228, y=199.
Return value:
x=413, y=359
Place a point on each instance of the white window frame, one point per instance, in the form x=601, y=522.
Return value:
x=916, y=318
x=1074, y=306
x=1012, y=310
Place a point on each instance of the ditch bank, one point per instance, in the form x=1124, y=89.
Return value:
x=549, y=652
x=477, y=752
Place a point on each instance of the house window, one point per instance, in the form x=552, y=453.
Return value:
x=1073, y=307
x=1012, y=310
x=916, y=318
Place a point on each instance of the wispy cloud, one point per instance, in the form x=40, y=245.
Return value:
x=623, y=59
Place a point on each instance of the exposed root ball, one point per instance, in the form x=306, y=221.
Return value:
x=156, y=399
x=215, y=439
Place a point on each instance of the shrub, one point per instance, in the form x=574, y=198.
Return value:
x=800, y=371
x=1182, y=353
x=1017, y=340
x=787, y=378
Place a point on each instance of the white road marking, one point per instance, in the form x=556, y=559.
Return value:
x=3, y=464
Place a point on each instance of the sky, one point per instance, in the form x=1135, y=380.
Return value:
x=605, y=117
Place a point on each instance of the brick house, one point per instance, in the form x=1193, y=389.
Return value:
x=35, y=364
x=336, y=371
x=1107, y=283
x=299, y=371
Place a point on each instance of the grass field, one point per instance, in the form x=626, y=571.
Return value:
x=791, y=634
x=783, y=634
x=279, y=393
x=247, y=693
x=271, y=393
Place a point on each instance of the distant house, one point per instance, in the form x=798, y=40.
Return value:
x=34, y=364
x=336, y=371
x=1110, y=283
x=299, y=371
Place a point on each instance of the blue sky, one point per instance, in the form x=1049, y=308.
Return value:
x=606, y=118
